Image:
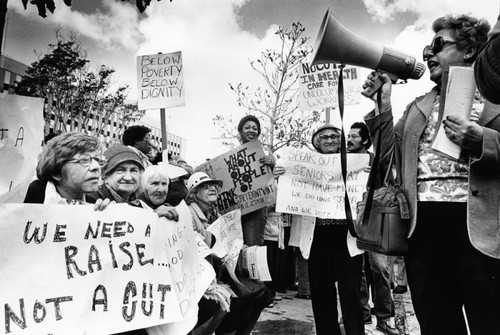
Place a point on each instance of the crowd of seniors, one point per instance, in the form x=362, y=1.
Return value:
x=453, y=262
x=74, y=168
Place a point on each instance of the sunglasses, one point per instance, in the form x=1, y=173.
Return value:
x=436, y=47
x=86, y=160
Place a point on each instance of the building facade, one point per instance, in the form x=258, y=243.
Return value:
x=11, y=73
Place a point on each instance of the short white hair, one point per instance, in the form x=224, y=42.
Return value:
x=153, y=171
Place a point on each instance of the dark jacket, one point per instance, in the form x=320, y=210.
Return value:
x=36, y=192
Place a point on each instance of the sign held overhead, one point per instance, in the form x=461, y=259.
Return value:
x=160, y=81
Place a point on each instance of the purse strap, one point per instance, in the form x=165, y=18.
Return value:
x=343, y=155
x=372, y=178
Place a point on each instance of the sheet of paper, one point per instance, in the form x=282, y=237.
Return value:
x=262, y=267
x=459, y=92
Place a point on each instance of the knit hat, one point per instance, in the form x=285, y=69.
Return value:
x=314, y=141
x=247, y=118
x=118, y=154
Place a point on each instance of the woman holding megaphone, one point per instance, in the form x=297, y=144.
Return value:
x=453, y=259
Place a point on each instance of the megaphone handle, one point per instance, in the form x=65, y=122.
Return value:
x=370, y=91
x=377, y=84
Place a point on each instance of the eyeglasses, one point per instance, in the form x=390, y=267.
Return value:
x=436, y=47
x=333, y=137
x=86, y=160
x=207, y=186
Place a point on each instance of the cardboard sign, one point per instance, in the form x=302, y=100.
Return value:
x=318, y=86
x=160, y=81
x=248, y=184
x=191, y=273
x=312, y=184
x=21, y=136
x=72, y=270
x=228, y=239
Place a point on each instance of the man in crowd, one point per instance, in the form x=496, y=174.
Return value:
x=358, y=141
x=330, y=261
x=139, y=138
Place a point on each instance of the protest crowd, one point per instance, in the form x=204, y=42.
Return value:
x=451, y=267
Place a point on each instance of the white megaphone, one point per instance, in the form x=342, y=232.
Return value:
x=336, y=43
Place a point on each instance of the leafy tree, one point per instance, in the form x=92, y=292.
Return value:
x=50, y=5
x=276, y=105
x=73, y=93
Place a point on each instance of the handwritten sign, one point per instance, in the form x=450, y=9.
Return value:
x=21, y=136
x=318, y=86
x=312, y=184
x=248, y=184
x=228, y=239
x=160, y=81
x=72, y=270
x=191, y=273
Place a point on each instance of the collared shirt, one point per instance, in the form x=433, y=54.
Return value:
x=53, y=197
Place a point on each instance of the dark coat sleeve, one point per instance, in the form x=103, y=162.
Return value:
x=36, y=192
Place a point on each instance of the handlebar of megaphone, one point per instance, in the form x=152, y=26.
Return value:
x=377, y=84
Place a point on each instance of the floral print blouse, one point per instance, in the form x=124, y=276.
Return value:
x=439, y=177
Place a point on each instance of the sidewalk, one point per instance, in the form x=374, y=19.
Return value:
x=293, y=316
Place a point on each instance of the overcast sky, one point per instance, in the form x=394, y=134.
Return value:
x=218, y=38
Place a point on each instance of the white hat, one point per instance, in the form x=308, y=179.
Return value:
x=199, y=178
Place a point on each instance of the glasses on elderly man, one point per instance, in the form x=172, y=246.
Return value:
x=333, y=137
x=86, y=159
x=436, y=47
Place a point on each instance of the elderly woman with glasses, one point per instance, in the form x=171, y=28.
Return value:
x=453, y=261
x=121, y=176
x=69, y=170
x=252, y=298
x=201, y=199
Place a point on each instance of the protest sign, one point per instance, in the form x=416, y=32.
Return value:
x=72, y=270
x=248, y=184
x=191, y=273
x=228, y=239
x=312, y=184
x=21, y=136
x=160, y=81
x=318, y=86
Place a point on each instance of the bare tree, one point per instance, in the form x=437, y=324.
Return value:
x=276, y=104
